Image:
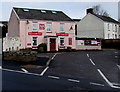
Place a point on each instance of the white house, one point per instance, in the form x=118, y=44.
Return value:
x=97, y=26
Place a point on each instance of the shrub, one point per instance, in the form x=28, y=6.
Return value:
x=42, y=47
x=27, y=49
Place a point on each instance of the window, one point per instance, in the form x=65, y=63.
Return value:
x=34, y=41
x=70, y=41
x=61, y=41
x=108, y=27
x=61, y=27
x=115, y=28
x=49, y=27
x=108, y=35
x=43, y=11
x=26, y=10
x=54, y=12
x=35, y=26
x=113, y=36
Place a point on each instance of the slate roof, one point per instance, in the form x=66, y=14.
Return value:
x=107, y=19
x=77, y=20
x=25, y=13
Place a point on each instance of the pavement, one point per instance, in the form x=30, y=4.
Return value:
x=91, y=70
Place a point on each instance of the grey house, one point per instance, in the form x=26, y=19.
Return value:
x=97, y=26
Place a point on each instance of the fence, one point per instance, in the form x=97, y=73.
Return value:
x=111, y=43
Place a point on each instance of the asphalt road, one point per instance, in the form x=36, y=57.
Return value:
x=90, y=70
x=20, y=81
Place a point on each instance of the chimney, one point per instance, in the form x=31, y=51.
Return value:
x=90, y=10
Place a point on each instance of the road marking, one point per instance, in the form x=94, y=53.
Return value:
x=92, y=62
x=21, y=72
x=109, y=83
x=118, y=66
x=104, y=77
x=24, y=70
x=51, y=59
x=73, y=80
x=44, y=71
x=116, y=52
x=0, y=67
x=96, y=84
x=116, y=56
x=87, y=55
x=54, y=77
x=54, y=56
x=116, y=84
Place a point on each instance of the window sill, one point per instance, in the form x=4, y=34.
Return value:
x=49, y=32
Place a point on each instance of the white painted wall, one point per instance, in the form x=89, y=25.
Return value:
x=90, y=27
x=11, y=43
x=111, y=31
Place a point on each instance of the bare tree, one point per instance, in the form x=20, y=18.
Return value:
x=99, y=11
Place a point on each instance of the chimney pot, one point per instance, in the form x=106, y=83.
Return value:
x=90, y=10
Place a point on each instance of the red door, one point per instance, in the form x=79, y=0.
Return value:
x=52, y=44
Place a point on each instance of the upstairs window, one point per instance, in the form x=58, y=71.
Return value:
x=35, y=26
x=26, y=10
x=61, y=27
x=49, y=27
x=108, y=35
x=115, y=28
x=108, y=27
x=43, y=11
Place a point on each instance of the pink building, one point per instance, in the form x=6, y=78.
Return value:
x=34, y=27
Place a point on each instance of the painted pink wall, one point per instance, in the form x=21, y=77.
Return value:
x=25, y=28
x=13, y=26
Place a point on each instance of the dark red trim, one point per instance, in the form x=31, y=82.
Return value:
x=28, y=43
x=34, y=47
x=34, y=33
x=62, y=34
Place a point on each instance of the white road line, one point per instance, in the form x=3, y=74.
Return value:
x=87, y=55
x=73, y=80
x=21, y=72
x=116, y=56
x=116, y=84
x=116, y=52
x=44, y=71
x=24, y=70
x=118, y=66
x=92, y=62
x=0, y=67
x=54, y=77
x=51, y=59
x=104, y=77
x=54, y=56
x=109, y=83
x=96, y=84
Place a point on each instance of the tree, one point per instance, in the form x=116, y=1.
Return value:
x=99, y=11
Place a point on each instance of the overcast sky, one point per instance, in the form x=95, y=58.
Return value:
x=76, y=10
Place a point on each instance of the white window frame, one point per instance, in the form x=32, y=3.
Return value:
x=49, y=27
x=62, y=39
x=33, y=39
x=34, y=26
x=62, y=29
